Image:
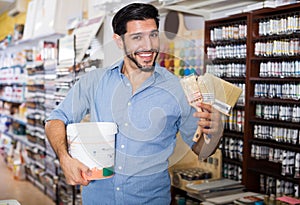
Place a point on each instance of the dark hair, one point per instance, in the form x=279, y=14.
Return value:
x=134, y=11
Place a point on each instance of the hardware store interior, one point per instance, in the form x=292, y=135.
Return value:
x=246, y=51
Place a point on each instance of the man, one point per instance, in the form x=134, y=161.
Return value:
x=148, y=105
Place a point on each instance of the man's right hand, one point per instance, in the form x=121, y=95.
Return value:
x=73, y=170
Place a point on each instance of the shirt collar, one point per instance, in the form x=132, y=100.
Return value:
x=118, y=65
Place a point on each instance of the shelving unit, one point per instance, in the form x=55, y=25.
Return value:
x=13, y=124
x=41, y=166
x=270, y=134
x=26, y=109
x=273, y=120
x=254, y=51
x=226, y=44
x=63, y=81
x=47, y=75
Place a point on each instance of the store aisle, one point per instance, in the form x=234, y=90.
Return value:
x=22, y=191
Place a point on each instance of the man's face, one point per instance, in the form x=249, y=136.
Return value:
x=141, y=44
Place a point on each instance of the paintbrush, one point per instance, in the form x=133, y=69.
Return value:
x=225, y=94
x=194, y=96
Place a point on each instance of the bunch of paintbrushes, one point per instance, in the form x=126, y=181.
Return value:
x=221, y=94
x=194, y=96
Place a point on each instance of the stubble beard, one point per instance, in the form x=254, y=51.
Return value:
x=142, y=68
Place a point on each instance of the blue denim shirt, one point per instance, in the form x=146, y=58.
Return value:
x=147, y=120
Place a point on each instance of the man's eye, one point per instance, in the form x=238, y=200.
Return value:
x=154, y=35
x=136, y=37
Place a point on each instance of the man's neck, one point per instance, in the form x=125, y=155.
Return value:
x=135, y=76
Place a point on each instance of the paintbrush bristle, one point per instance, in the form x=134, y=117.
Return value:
x=191, y=89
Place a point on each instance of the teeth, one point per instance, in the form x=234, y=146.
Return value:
x=145, y=55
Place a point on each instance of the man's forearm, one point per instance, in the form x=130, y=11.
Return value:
x=56, y=133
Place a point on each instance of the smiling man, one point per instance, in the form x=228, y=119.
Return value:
x=147, y=103
x=139, y=46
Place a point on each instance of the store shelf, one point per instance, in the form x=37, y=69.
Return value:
x=218, y=39
x=275, y=144
x=274, y=101
x=270, y=169
x=275, y=79
x=280, y=123
x=232, y=161
x=29, y=43
x=254, y=170
x=259, y=77
x=229, y=133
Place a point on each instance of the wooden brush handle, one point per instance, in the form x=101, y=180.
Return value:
x=197, y=134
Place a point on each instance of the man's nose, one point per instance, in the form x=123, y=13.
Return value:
x=147, y=44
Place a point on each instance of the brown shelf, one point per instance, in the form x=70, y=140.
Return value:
x=280, y=123
x=254, y=166
x=276, y=37
x=275, y=80
x=273, y=174
x=275, y=58
x=274, y=101
x=251, y=167
x=275, y=144
x=228, y=60
x=229, y=133
x=276, y=12
x=235, y=19
x=233, y=161
x=226, y=42
x=234, y=79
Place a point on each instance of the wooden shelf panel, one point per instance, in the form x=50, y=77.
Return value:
x=275, y=12
x=252, y=167
x=275, y=144
x=279, y=123
x=228, y=133
x=276, y=37
x=234, y=19
x=227, y=42
x=275, y=58
x=274, y=101
x=233, y=161
x=270, y=172
x=274, y=80
x=235, y=79
x=228, y=60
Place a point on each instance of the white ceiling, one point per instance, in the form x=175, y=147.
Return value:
x=5, y=5
x=206, y=8
x=209, y=9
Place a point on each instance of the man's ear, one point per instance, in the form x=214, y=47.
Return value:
x=118, y=40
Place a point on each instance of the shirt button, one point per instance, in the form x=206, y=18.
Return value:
x=129, y=103
x=126, y=124
x=119, y=167
x=128, y=84
x=118, y=188
x=122, y=146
